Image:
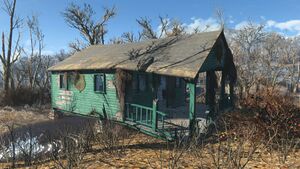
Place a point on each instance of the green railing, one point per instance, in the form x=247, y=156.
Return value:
x=144, y=115
x=156, y=122
x=139, y=114
x=161, y=117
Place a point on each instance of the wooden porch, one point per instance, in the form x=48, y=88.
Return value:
x=168, y=122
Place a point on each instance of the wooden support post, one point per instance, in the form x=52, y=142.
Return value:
x=192, y=107
x=210, y=94
x=222, y=100
x=154, y=115
x=154, y=102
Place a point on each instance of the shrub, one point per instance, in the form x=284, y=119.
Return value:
x=23, y=96
x=276, y=114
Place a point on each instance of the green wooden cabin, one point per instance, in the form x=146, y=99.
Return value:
x=159, y=87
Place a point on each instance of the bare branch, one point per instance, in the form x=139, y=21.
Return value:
x=163, y=26
x=147, y=30
x=3, y=57
x=17, y=50
x=220, y=18
x=81, y=19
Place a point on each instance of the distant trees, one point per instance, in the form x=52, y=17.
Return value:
x=246, y=45
x=32, y=61
x=264, y=58
x=30, y=78
x=10, y=50
x=81, y=19
x=24, y=68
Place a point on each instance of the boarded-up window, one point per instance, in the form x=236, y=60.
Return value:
x=99, y=82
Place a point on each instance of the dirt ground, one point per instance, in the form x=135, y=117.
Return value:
x=21, y=116
x=142, y=151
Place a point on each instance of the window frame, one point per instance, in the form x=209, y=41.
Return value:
x=63, y=81
x=103, y=81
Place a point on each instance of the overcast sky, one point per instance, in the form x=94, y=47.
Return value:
x=279, y=15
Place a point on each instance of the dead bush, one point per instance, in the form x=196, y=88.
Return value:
x=171, y=154
x=229, y=146
x=276, y=118
x=27, y=144
x=276, y=114
x=113, y=138
x=24, y=95
x=68, y=149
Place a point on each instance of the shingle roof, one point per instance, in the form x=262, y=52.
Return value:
x=180, y=56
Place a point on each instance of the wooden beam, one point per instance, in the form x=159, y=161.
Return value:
x=192, y=107
x=210, y=94
x=154, y=115
x=222, y=100
x=154, y=101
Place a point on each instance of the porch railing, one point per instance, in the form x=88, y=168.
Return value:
x=139, y=114
x=144, y=116
x=157, y=122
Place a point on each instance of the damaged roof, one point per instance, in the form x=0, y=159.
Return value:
x=180, y=56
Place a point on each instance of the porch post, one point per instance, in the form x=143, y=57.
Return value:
x=192, y=106
x=154, y=115
x=154, y=101
x=210, y=93
x=222, y=100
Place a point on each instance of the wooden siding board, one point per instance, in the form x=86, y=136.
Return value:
x=87, y=100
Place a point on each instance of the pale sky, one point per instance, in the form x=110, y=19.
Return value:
x=278, y=15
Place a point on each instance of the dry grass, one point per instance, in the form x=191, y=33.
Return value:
x=22, y=116
x=142, y=151
x=145, y=149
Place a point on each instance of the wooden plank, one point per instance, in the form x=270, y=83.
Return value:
x=87, y=100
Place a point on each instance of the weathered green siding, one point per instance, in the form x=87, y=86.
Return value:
x=86, y=101
x=140, y=97
x=145, y=97
x=180, y=94
x=215, y=60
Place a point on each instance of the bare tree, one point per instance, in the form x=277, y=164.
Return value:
x=81, y=19
x=32, y=63
x=246, y=45
x=272, y=59
x=292, y=59
x=9, y=57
